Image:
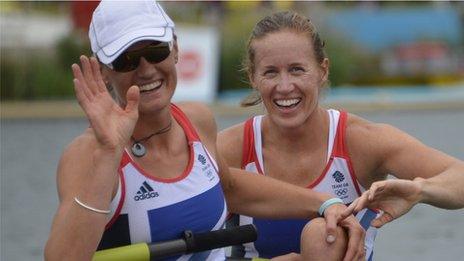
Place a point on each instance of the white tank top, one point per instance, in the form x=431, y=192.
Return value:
x=278, y=237
x=150, y=209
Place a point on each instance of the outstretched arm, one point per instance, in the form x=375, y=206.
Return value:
x=395, y=197
x=445, y=190
x=425, y=175
x=88, y=168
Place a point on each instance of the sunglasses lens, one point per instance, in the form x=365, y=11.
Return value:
x=129, y=60
x=157, y=53
x=124, y=63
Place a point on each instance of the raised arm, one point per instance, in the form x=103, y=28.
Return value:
x=87, y=172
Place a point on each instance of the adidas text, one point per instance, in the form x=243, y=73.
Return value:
x=147, y=195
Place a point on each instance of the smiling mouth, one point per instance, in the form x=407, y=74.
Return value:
x=150, y=87
x=287, y=103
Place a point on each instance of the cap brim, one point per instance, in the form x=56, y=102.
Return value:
x=110, y=52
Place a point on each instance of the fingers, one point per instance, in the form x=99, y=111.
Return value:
x=331, y=226
x=349, y=210
x=376, y=186
x=361, y=202
x=132, y=97
x=82, y=93
x=88, y=74
x=382, y=220
x=362, y=253
x=101, y=86
x=356, y=234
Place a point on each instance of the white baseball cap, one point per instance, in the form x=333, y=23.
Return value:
x=116, y=25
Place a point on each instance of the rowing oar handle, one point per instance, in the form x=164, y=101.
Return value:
x=189, y=244
x=220, y=238
x=204, y=241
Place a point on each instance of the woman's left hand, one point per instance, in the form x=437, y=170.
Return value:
x=393, y=197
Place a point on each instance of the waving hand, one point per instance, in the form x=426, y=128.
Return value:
x=112, y=124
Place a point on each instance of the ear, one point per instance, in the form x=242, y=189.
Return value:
x=252, y=80
x=325, y=69
x=176, y=50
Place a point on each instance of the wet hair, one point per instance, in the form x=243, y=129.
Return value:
x=277, y=22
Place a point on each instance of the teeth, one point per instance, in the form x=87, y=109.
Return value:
x=151, y=86
x=288, y=102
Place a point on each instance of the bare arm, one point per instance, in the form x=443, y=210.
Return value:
x=230, y=145
x=445, y=190
x=89, y=175
x=88, y=168
x=425, y=175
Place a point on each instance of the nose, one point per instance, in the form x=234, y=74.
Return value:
x=145, y=69
x=285, y=84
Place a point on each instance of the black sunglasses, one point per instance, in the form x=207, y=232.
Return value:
x=153, y=53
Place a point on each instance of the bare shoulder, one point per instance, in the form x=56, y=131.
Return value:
x=378, y=149
x=361, y=132
x=202, y=118
x=198, y=113
x=230, y=143
x=368, y=143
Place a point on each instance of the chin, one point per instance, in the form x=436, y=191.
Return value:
x=289, y=122
x=153, y=107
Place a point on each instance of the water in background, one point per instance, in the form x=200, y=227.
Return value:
x=30, y=150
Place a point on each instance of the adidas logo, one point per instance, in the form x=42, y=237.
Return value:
x=145, y=192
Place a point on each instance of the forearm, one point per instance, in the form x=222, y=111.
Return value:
x=76, y=230
x=445, y=190
x=75, y=234
x=260, y=196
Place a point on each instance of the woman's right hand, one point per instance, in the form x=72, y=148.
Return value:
x=112, y=125
x=394, y=197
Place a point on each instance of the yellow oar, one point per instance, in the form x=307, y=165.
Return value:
x=136, y=252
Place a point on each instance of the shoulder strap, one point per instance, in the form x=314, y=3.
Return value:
x=248, y=143
x=185, y=123
x=340, y=146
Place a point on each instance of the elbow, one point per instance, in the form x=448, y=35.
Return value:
x=49, y=253
x=54, y=252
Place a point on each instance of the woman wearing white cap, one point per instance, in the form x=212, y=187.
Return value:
x=146, y=169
